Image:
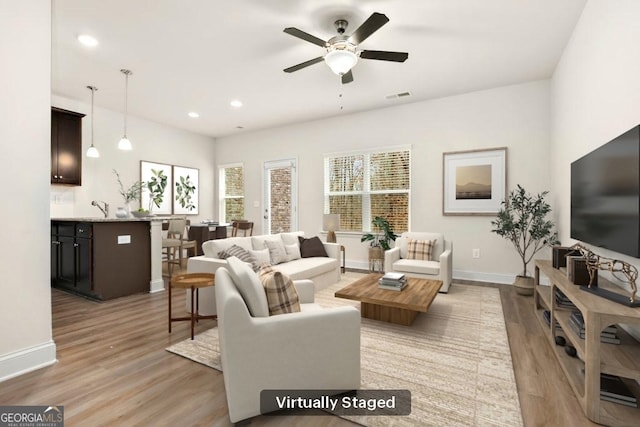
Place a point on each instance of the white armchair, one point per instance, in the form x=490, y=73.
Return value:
x=314, y=349
x=440, y=267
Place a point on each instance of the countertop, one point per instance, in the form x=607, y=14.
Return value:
x=98, y=219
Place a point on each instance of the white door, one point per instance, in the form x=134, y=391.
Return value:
x=280, y=196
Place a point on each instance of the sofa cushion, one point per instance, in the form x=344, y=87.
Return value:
x=293, y=251
x=311, y=247
x=305, y=268
x=261, y=256
x=211, y=248
x=282, y=296
x=277, y=252
x=257, y=242
x=241, y=254
x=417, y=266
x=291, y=238
x=420, y=249
x=249, y=286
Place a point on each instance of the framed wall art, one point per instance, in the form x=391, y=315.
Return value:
x=156, y=194
x=475, y=182
x=185, y=190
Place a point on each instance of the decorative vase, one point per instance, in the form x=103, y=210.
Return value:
x=121, y=213
x=127, y=208
x=524, y=285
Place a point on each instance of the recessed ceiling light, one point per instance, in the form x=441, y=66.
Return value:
x=235, y=103
x=194, y=115
x=88, y=40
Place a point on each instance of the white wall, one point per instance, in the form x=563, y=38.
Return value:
x=25, y=294
x=151, y=141
x=595, y=94
x=515, y=116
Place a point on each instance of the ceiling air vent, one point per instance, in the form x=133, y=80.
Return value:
x=398, y=95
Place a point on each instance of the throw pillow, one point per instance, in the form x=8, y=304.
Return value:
x=249, y=286
x=420, y=249
x=241, y=254
x=261, y=256
x=277, y=252
x=293, y=252
x=282, y=296
x=311, y=247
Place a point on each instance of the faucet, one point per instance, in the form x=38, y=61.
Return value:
x=104, y=210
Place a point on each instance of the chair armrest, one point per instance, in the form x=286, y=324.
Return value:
x=204, y=264
x=391, y=256
x=333, y=250
x=306, y=290
x=446, y=266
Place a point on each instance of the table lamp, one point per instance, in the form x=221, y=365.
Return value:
x=331, y=223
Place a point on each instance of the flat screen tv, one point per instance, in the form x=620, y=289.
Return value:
x=605, y=195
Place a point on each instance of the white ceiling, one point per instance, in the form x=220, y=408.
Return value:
x=198, y=55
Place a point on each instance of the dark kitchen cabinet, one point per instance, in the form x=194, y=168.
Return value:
x=66, y=147
x=101, y=260
x=71, y=257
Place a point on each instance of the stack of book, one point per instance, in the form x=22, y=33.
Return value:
x=547, y=318
x=392, y=281
x=608, y=334
x=613, y=389
x=562, y=300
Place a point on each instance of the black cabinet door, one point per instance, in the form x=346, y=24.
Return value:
x=67, y=262
x=66, y=147
x=84, y=265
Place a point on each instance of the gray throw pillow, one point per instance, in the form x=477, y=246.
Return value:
x=241, y=254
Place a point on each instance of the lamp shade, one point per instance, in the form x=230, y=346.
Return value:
x=331, y=223
x=93, y=152
x=340, y=61
x=125, y=144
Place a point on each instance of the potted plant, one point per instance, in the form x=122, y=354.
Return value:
x=131, y=194
x=156, y=186
x=523, y=221
x=380, y=241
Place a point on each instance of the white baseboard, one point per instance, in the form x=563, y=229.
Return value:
x=27, y=360
x=476, y=276
x=156, y=286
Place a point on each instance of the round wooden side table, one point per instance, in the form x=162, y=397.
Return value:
x=192, y=281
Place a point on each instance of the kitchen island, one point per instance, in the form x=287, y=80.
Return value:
x=106, y=258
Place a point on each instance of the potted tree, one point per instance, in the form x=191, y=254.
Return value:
x=523, y=221
x=380, y=241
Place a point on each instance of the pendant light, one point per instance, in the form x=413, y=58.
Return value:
x=124, y=143
x=92, y=151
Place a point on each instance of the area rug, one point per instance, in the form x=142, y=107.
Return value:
x=455, y=359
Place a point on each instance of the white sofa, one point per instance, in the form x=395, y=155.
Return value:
x=440, y=267
x=323, y=271
x=315, y=348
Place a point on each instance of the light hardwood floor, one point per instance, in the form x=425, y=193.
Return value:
x=113, y=369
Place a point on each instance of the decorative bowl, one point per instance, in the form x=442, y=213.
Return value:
x=139, y=214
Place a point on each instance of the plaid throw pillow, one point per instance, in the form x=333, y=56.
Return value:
x=420, y=249
x=282, y=296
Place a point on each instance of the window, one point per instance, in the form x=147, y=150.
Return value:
x=362, y=185
x=231, y=192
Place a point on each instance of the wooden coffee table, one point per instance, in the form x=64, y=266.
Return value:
x=400, y=307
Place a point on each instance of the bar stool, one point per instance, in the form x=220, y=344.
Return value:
x=193, y=281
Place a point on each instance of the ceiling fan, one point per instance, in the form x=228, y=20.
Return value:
x=342, y=51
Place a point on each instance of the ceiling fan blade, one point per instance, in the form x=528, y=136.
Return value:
x=384, y=55
x=370, y=26
x=304, y=64
x=347, y=77
x=305, y=36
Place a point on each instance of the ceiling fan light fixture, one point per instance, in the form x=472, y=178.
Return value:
x=341, y=61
